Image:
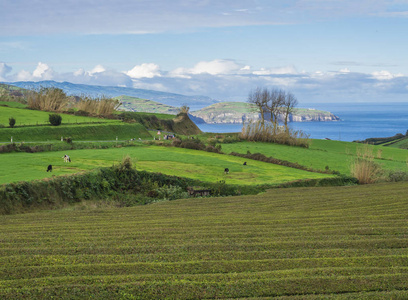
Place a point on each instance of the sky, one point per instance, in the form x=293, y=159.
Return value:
x=322, y=51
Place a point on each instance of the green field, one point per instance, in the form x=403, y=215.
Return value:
x=321, y=153
x=188, y=163
x=36, y=117
x=144, y=105
x=83, y=132
x=298, y=243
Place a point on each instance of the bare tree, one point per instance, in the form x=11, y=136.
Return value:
x=259, y=97
x=288, y=106
x=274, y=105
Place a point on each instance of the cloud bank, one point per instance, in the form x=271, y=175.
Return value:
x=228, y=80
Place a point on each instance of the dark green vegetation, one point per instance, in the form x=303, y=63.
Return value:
x=180, y=124
x=298, y=243
x=397, y=141
x=119, y=185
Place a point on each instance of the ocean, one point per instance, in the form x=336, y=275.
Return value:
x=359, y=121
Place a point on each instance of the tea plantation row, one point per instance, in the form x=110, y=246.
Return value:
x=300, y=243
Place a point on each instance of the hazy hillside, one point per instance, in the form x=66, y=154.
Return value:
x=237, y=112
x=144, y=105
x=172, y=99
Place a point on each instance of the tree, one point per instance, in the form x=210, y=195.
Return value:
x=12, y=122
x=260, y=98
x=288, y=106
x=184, y=109
x=274, y=105
x=55, y=119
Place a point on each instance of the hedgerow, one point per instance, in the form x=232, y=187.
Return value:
x=120, y=183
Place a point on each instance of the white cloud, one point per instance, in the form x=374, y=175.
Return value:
x=229, y=80
x=4, y=70
x=214, y=67
x=276, y=71
x=97, y=69
x=43, y=72
x=146, y=70
x=24, y=76
x=385, y=75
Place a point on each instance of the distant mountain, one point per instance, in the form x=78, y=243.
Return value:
x=172, y=99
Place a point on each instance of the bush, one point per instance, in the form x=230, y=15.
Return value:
x=48, y=99
x=396, y=176
x=364, y=168
x=55, y=119
x=255, y=131
x=12, y=122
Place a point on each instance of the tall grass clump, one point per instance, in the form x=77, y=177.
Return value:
x=101, y=106
x=47, y=99
x=258, y=132
x=364, y=168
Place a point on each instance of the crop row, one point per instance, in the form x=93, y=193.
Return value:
x=284, y=242
x=187, y=288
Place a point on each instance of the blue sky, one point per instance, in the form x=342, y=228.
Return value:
x=321, y=50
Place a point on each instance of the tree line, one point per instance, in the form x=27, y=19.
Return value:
x=275, y=103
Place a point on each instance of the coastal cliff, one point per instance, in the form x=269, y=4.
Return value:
x=239, y=112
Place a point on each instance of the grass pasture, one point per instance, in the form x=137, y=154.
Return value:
x=84, y=132
x=334, y=154
x=188, y=163
x=298, y=243
x=25, y=117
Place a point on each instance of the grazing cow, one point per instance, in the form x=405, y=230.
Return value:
x=66, y=158
x=245, y=163
x=49, y=169
x=226, y=171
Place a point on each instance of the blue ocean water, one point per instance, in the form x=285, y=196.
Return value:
x=359, y=121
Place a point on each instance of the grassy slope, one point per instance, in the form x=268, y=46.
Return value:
x=36, y=117
x=12, y=104
x=172, y=161
x=334, y=154
x=85, y=132
x=144, y=105
x=244, y=107
x=303, y=243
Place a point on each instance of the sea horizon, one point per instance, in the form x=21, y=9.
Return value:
x=358, y=121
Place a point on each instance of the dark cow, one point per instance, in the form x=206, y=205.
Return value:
x=49, y=169
x=226, y=171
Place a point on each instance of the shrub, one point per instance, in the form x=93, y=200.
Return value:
x=68, y=140
x=48, y=99
x=396, y=176
x=256, y=131
x=12, y=122
x=364, y=168
x=55, y=119
x=102, y=106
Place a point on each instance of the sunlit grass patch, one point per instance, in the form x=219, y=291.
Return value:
x=188, y=163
